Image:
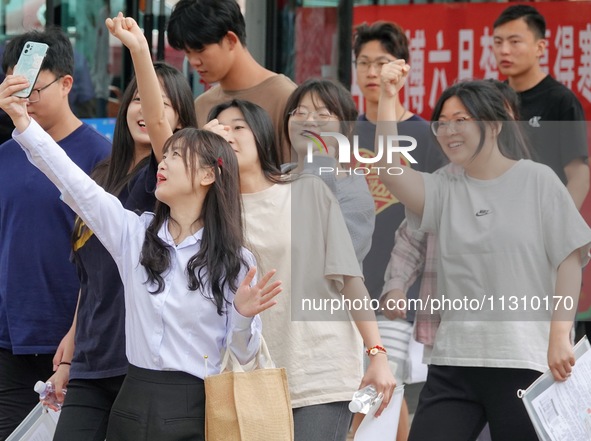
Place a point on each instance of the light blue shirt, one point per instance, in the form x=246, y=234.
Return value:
x=172, y=330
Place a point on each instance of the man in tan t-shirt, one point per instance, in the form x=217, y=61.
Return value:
x=213, y=35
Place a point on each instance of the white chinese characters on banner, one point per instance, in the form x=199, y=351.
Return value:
x=545, y=58
x=437, y=57
x=584, y=71
x=487, y=62
x=416, y=81
x=466, y=55
x=565, y=63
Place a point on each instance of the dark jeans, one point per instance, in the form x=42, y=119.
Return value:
x=18, y=375
x=322, y=422
x=86, y=409
x=158, y=406
x=456, y=402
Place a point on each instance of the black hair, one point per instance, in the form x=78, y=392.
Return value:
x=196, y=23
x=486, y=104
x=219, y=260
x=535, y=21
x=59, y=58
x=260, y=124
x=390, y=35
x=511, y=98
x=179, y=92
x=335, y=97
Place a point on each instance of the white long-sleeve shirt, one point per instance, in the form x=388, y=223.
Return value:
x=172, y=330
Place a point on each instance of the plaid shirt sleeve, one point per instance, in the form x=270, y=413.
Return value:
x=427, y=322
x=407, y=259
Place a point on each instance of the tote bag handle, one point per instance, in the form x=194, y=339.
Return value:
x=262, y=360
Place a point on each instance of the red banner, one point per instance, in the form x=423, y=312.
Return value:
x=453, y=41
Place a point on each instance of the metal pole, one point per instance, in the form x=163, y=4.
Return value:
x=345, y=32
x=272, y=47
x=50, y=13
x=161, y=31
x=131, y=8
x=149, y=22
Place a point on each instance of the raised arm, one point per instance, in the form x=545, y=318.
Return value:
x=408, y=187
x=130, y=34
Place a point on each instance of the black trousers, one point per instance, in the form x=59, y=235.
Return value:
x=456, y=402
x=18, y=375
x=86, y=409
x=158, y=406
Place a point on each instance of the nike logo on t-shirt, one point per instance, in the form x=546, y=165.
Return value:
x=483, y=213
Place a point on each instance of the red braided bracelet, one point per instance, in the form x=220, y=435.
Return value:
x=374, y=350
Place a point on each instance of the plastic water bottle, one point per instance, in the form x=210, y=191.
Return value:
x=363, y=399
x=46, y=393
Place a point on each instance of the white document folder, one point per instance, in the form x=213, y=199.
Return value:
x=384, y=427
x=561, y=411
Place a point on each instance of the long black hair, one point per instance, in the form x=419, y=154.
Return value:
x=219, y=260
x=487, y=105
x=260, y=124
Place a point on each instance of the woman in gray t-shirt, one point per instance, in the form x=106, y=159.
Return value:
x=510, y=241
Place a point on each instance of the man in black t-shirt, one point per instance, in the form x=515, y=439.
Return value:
x=555, y=121
x=553, y=116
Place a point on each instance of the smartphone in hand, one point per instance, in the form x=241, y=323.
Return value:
x=29, y=65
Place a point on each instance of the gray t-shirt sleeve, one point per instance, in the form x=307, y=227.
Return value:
x=563, y=228
x=354, y=198
x=436, y=187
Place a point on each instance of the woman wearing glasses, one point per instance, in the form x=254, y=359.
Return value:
x=319, y=106
x=511, y=242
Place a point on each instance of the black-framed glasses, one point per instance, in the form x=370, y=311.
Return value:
x=35, y=95
x=442, y=128
x=302, y=114
x=364, y=65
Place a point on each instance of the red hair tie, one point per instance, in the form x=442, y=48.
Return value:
x=220, y=162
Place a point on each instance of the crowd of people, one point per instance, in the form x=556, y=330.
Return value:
x=206, y=224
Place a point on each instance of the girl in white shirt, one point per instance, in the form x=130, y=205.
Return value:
x=189, y=292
